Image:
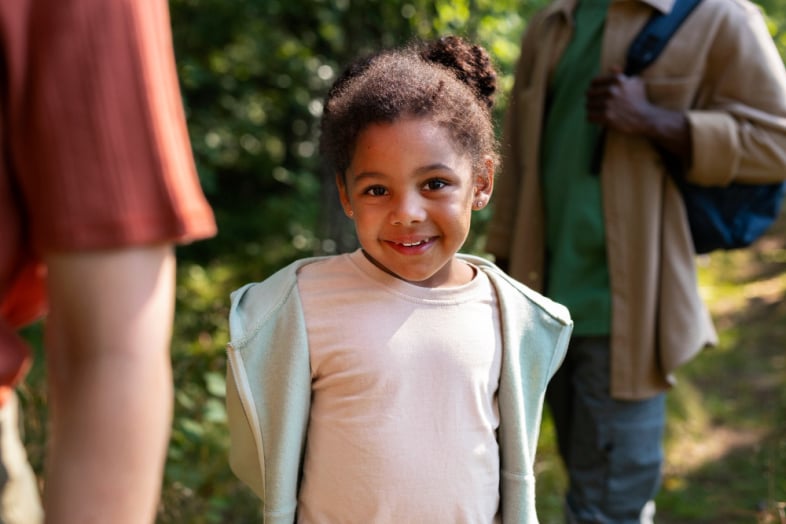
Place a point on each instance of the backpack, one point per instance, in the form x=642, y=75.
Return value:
x=727, y=217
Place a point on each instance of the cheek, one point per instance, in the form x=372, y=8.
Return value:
x=461, y=216
x=466, y=205
x=364, y=223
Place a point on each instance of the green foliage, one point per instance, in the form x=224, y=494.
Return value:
x=253, y=75
x=775, y=15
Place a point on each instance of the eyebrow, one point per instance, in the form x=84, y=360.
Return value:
x=437, y=166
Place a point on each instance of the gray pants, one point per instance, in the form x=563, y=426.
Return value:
x=612, y=449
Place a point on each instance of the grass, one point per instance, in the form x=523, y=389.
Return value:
x=727, y=436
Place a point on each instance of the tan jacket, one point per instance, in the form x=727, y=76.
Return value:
x=722, y=68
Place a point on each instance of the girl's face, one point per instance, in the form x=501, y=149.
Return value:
x=411, y=195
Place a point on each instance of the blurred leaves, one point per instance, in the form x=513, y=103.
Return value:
x=253, y=75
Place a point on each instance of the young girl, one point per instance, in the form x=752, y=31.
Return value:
x=402, y=382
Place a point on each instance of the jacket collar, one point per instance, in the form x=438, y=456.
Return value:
x=664, y=6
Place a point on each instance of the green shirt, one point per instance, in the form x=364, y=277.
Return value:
x=577, y=272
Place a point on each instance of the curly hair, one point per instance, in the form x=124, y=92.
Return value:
x=449, y=81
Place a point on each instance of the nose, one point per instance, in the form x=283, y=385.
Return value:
x=407, y=209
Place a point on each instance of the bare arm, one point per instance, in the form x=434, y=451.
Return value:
x=620, y=102
x=110, y=384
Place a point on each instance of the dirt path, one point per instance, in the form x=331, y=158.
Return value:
x=726, y=448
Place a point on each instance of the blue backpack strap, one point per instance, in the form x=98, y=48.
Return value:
x=643, y=51
x=657, y=32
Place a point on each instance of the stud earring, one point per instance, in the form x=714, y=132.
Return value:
x=479, y=203
x=350, y=213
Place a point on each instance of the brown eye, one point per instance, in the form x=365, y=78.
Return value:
x=375, y=191
x=434, y=184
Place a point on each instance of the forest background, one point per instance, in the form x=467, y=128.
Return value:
x=253, y=75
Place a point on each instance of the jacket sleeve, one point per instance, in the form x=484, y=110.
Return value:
x=268, y=392
x=739, y=132
x=536, y=333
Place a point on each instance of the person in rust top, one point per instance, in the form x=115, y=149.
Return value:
x=97, y=183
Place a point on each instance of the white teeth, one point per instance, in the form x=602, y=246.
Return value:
x=413, y=244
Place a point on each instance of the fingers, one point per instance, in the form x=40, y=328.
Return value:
x=602, y=91
x=616, y=100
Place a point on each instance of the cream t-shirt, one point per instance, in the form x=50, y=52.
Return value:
x=404, y=409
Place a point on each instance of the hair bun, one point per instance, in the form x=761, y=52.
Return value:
x=469, y=62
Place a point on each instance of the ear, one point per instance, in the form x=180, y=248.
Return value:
x=484, y=184
x=343, y=196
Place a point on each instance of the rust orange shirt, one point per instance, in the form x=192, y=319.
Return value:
x=95, y=151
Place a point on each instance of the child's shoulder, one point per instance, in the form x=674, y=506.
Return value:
x=515, y=294
x=255, y=302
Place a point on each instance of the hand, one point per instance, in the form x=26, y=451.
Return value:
x=619, y=102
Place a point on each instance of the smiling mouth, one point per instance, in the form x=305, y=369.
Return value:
x=414, y=243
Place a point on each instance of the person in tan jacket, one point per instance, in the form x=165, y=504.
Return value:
x=615, y=247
